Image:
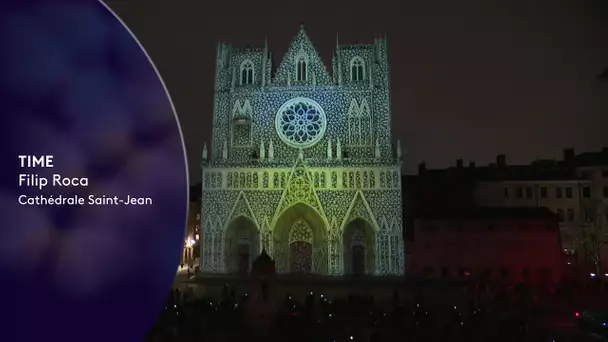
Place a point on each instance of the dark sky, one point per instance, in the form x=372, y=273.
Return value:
x=470, y=79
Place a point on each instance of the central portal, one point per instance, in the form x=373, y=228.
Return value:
x=300, y=241
x=300, y=248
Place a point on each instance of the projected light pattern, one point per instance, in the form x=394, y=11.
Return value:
x=298, y=144
x=300, y=122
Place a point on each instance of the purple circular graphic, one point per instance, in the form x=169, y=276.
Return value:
x=90, y=238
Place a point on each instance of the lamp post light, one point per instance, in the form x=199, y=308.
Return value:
x=188, y=254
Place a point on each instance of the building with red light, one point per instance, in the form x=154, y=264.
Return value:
x=507, y=245
x=570, y=188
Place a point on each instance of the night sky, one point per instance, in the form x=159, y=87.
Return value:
x=469, y=79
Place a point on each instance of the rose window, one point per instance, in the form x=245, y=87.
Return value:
x=300, y=122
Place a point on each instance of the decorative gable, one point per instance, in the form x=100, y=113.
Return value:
x=301, y=64
x=359, y=208
x=300, y=189
x=241, y=110
x=241, y=124
x=241, y=208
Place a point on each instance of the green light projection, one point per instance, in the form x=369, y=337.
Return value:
x=325, y=172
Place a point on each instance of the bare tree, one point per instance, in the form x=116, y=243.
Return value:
x=593, y=235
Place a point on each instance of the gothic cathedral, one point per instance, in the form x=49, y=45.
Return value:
x=302, y=163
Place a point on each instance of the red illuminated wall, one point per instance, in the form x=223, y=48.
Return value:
x=478, y=245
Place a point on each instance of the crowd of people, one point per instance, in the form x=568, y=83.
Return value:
x=353, y=318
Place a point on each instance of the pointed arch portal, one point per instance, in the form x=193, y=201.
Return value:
x=359, y=241
x=300, y=241
x=241, y=244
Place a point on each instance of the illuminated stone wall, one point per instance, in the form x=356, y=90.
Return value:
x=297, y=144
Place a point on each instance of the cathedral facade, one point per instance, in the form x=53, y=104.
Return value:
x=302, y=163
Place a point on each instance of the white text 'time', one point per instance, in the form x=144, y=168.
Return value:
x=35, y=161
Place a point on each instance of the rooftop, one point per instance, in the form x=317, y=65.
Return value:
x=484, y=213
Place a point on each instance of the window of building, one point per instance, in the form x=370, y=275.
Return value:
x=357, y=69
x=427, y=271
x=568, y=192
x=519, y=192
x=528, y=192
x=585, y=175
x=445, y=271
x=301, y=69
x=570, y=214
x=605, y=191
x=560, y=215
x=543, y=191
x=605, y=173
x=506, y=192
x=246, y=72
x=558, y=192
x=587, y=215
x=465, y=272
x=586, y=192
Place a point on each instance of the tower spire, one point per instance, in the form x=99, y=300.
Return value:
x=339, y=60
x=264, y=61
x=337, y=42
x=218, y=50
x=269, y=67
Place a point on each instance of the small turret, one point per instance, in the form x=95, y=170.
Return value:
x=264, y=61
x=339, y=150
x=262, y=150
x=399, y=149
x=339, y=59
x=270, y=150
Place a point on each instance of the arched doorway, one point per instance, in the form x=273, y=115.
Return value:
x=359, y=241
x=300, y=247
x=241, y=245
x=300, y=241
